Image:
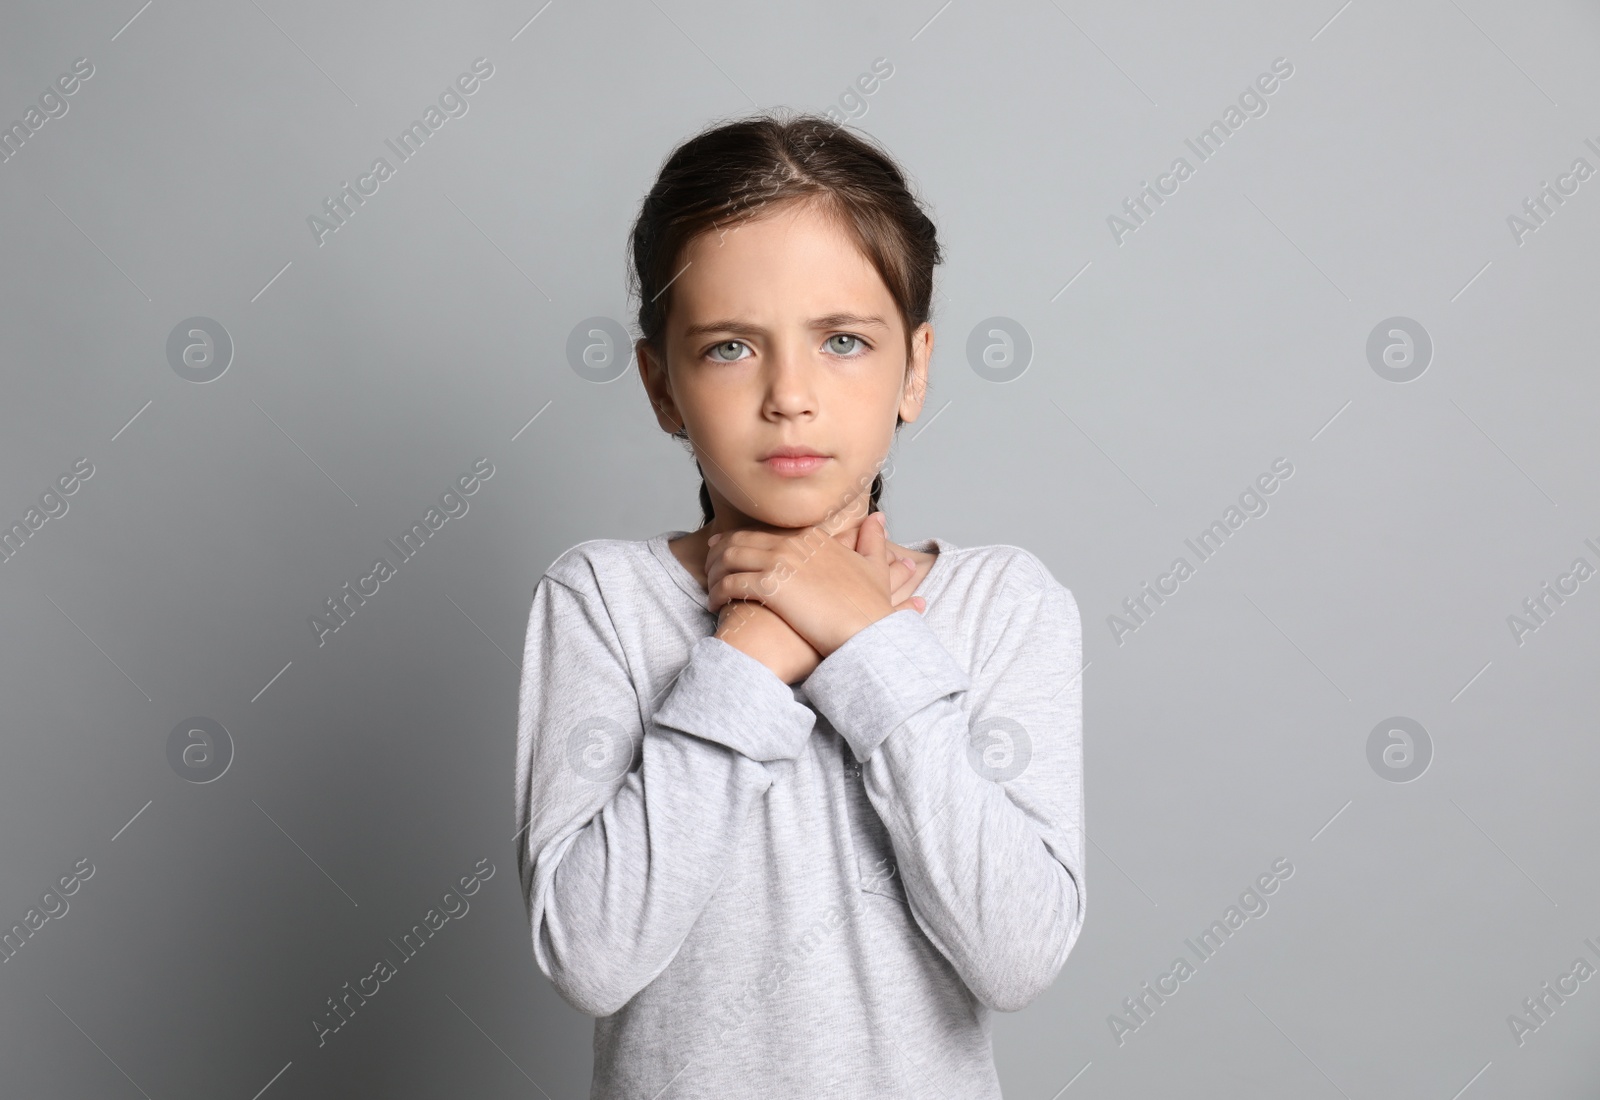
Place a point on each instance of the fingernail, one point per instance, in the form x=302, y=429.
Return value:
x=909, y=564
x=712, y=541
x=922, y=604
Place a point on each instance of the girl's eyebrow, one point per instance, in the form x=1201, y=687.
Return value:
x=742, y=328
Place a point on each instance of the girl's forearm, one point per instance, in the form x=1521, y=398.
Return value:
x=993, y=873
x=616, y=873
x=613, y=906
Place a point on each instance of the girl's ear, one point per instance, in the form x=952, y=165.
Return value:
x=658, y=387
x=916, y=388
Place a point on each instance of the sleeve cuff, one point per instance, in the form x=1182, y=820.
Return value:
x=727, y=696
x=870, y=685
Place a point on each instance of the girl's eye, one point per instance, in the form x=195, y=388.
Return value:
x=733, y=344
x=842, y=343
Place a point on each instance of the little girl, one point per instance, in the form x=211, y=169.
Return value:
x=798, y=805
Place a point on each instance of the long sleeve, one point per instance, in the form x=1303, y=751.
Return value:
x=626, y=817
x=978, y=779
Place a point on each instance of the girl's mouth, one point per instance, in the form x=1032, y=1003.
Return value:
x=794, y=465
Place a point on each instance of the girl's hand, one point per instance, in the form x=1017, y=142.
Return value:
x=826, y=587
x=758, y=632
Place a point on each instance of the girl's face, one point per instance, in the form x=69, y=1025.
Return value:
x=783, y=340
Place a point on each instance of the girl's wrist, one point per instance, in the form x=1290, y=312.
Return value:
x=762, y=635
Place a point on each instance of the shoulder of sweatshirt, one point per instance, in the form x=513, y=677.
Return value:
x=1000, y=573
x=593, y=566
x=1002, y=601
x=987, y=594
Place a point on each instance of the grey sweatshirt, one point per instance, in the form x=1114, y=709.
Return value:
x=812, y=891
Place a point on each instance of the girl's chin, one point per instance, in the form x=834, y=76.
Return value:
x=792, y=520
x=793, y=504
x=823, y=512
x=828, y=518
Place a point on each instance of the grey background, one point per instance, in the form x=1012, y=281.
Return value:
x=1230, y=730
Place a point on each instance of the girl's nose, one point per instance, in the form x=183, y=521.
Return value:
x=790, y=381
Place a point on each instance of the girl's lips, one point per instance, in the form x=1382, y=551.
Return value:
x=793, y=465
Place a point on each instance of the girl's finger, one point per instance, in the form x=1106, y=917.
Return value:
x=748, y=536
x=915, y=603
x=741, y=539
x=728, y=558
x=871, y=537
x=738, y=586
x=900, y=571
x=718, y=595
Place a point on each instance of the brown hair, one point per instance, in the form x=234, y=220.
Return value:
x=728, y=172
